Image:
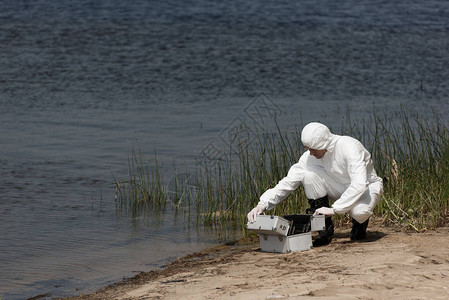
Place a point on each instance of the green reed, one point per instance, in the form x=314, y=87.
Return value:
x=143, y=189
x=410, y=153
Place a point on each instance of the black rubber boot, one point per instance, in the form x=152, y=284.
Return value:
x=358, y=231
x=325, y=235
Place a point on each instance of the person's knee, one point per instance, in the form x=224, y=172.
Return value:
x=311, y=177
x=361, y=213
x=314, y=186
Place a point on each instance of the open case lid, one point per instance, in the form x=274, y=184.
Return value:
x=273, y=225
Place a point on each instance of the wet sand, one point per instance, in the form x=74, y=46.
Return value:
x=390, y=264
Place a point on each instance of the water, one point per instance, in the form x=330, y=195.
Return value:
x=82, y=82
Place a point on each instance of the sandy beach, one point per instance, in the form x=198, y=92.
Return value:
x=390, y=264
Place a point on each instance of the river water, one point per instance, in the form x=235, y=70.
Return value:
x=83, y=82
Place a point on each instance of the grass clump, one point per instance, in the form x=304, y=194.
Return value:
x=143, y=190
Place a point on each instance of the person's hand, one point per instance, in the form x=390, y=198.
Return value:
x=327, y=211
x=254, y=212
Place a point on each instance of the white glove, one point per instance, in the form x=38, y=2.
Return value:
x=254, y=212
x=327, y=211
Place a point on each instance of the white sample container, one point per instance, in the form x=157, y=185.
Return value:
x=317, y=223
x=272, y=225
x=285, y=244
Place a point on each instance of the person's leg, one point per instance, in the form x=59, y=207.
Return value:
x=325, y=236
x=317, y=190
x=362, y=211
x=318, y=184
x=358, y=231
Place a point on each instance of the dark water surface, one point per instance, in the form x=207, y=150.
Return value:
x=81, y=82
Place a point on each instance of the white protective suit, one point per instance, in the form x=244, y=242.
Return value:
x=345, y=174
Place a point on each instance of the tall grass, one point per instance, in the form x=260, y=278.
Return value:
x=143, y=190
x=410, y=153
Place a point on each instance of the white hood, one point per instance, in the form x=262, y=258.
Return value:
x=317, y=136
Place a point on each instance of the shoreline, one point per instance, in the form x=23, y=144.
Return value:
x=221, y=252
x=391, y=262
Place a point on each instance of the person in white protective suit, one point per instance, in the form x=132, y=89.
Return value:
x=336, y=168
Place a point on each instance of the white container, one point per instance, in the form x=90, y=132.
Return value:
x=285, y=244
x=317, y=223
x=271, y=225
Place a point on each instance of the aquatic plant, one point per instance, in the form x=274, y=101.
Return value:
x=410, y=153
x=144, y=188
